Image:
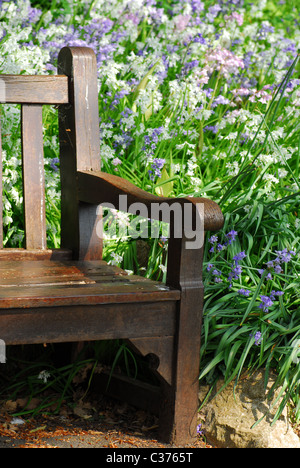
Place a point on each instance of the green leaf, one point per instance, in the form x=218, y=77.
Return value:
x=165, y=187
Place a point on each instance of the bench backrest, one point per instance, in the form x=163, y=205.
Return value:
x=75, y=92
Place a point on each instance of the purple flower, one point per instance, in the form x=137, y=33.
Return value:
x=197, y=6
x=264, y=30
x=236, y=272
x=266, y=302
x=157, y=165
x=213, y=239
x=284, y=255
x=211, y=128
x=244, y=292
x=116, y=161
x=199, y=38
x=257, y=337
x=199, y=430
x=220, y=100
x=152, y=140
x=53, y=163
x=190, y=65
x=239, y=257
x=117, y=97
x=214, y=10
x=273, y=294
x=231, y=235
x=236, y=268
x=247, y=59
x=217, y=279
x=216, y=272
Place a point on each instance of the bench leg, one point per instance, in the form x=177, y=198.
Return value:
x=179, y=372
x=185, y=272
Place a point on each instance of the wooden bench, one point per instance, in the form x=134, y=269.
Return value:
x=70, y=294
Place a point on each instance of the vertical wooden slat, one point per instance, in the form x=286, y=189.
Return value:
x=79, y=150
x=185, y=272
x=33, y=177
x=1, y=193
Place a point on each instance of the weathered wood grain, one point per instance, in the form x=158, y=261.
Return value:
x=49, y=283
x=33, y=177
x=185, y=273
x=91, y=322
x=36, y=254
x=80, y=150
x=99, y=187
x=38, y=89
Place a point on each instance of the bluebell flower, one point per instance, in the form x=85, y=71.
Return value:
x=190, y=65
x=53, y=163
x=257, y=337
x=199, y=430
x=217, y=274
x=239, y=256
x=266, y=302
x=157, y=165
x=197, y=6
x=200, y=39
x=220, y=100
x=236, y=268
x=244, y=292
x=264, y=30
x=284, y=255
x=273, y=294
x=231, y=235
x=211, y=128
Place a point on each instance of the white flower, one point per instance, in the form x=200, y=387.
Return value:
x=282, y=173
x=116, y=259
x=233, y=168
x=7, y=220
x=163, y=268
x=107, y=152
x=129, y=272
x=44, y=376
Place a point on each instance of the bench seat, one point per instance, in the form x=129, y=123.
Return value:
x=62, y=301
x=27, y=284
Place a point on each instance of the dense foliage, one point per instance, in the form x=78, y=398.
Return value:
x=196, y=98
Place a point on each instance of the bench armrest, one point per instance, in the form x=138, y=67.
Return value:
x=101, y=188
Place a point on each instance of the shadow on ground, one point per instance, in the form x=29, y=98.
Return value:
x=109, y=425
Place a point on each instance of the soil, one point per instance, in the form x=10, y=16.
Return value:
x=104, y=423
